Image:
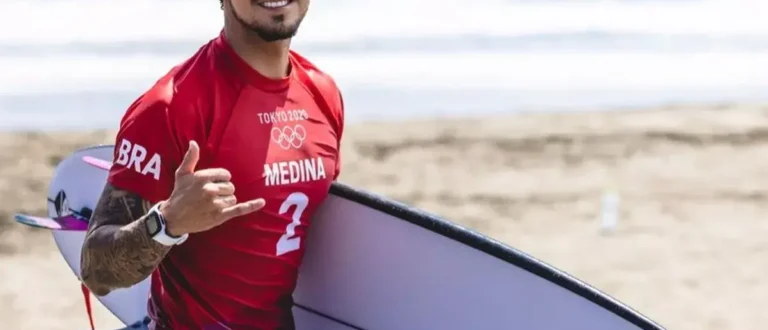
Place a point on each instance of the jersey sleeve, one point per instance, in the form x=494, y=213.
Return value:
x=147, y=151
x=329, y=93
x=340, y=127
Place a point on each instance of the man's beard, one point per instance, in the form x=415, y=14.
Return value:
x=267, y=33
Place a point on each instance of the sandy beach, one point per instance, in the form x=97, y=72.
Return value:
x=689, y=249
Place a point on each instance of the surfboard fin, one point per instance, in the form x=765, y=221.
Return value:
x=100, y=163
x=66, y=223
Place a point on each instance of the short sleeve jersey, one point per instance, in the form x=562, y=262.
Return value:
x=279, y=138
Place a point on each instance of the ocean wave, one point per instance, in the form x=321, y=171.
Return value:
x=524, y=71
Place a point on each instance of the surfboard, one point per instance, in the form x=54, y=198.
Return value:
x=373, y=263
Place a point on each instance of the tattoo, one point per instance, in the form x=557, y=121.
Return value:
x=118, y=252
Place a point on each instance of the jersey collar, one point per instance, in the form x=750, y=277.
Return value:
x=238, y=66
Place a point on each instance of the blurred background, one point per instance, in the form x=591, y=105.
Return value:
x=518, y=119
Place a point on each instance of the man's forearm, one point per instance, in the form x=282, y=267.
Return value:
x=119, y=257
x=118, y=252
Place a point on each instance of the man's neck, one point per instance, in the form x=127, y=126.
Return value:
x=268, y=58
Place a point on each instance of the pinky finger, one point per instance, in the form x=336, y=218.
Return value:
x=242, y=209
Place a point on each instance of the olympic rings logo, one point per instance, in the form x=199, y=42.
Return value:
x=288, y=136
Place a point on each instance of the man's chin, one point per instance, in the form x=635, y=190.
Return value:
x=274, y=35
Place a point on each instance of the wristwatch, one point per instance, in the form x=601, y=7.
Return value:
x=157, y=229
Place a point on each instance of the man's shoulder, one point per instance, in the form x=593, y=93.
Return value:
x=182, y=90
x=187, y=83
x=320, y=82
x=324, y=81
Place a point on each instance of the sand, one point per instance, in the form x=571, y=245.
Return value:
x=689, y=250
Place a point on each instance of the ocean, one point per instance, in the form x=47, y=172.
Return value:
x=77, y=64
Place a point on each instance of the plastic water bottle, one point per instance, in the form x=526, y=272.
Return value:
x=609, y=211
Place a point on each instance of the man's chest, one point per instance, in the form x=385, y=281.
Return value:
x=276, y=144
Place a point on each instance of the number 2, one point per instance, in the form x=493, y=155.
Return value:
x=287, y=242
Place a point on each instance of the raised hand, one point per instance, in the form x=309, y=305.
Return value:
x=202, y=199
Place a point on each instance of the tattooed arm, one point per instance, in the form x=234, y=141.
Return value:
x=118, y=252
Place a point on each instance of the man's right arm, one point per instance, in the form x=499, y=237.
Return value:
x=118, y=251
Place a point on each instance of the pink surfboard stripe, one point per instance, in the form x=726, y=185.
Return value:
x=100, y=163
x=69, y=222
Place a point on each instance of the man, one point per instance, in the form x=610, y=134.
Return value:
x=217, y=170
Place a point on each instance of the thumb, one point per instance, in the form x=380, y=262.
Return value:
x=189, y=163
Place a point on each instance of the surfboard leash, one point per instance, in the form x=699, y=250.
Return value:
x=87, y=299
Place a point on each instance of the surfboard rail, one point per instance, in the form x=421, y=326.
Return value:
x=494, y=248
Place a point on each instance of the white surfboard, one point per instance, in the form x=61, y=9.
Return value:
x=372, y=263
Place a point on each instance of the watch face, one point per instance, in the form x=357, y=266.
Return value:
x=153, y=224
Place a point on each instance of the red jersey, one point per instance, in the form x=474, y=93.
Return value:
x=279, y=138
